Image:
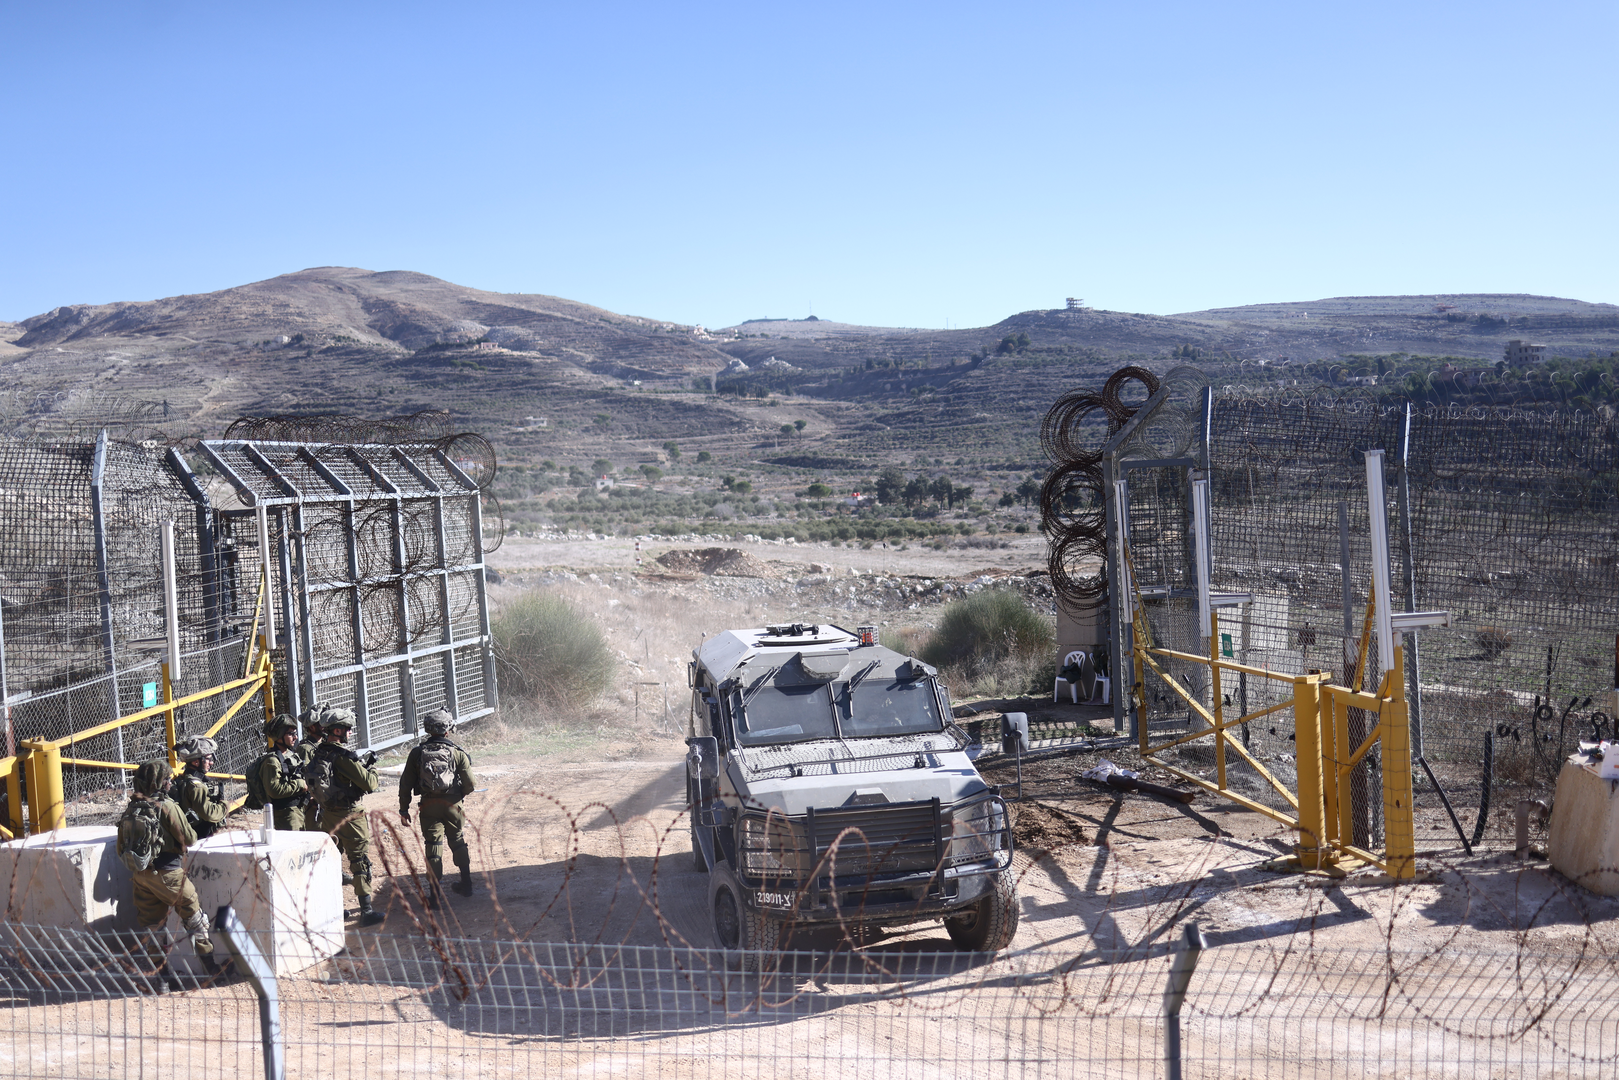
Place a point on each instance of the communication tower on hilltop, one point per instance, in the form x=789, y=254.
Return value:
x=1075, y=304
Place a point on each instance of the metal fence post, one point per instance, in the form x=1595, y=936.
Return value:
x=98, y=519
x=251, y=962
x=1180, y=977
x=1407, y=543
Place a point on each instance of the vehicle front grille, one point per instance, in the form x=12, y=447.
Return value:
x=889, y=839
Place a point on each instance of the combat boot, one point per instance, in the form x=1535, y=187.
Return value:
x=464, y=886
x=369, y=916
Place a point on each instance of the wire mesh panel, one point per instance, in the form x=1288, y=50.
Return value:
x=84, y=1005
x=1504, y=518
x=385, y=564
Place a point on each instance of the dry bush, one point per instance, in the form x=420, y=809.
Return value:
x=551, y=650
x=991, y=644
x=1492, y=641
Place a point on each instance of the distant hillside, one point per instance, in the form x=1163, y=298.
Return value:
x=554, y=379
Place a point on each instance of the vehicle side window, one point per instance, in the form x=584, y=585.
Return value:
x=716, y=723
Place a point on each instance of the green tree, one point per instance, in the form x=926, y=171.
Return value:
x=818, y=490
x=941, y=491
x=890, y=486
x=1028, y=491
x=601, y=466
x=704, y=457
x=652, y=473
x=602, y=419
x=800, y=424
x=672, y=450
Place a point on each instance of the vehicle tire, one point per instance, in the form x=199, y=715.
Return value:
x=746, y=936
x=990, y=922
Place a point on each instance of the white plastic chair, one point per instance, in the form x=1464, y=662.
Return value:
x=1075, y=657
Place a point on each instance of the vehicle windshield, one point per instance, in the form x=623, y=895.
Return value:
x=783, y=714
x=886, y=705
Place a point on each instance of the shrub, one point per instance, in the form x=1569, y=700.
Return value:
x=990, y=637
x=552, y=651
x=1493, y=641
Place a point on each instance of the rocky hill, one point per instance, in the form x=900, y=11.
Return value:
x=549, y=378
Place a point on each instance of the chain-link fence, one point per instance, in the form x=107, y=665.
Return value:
x=374, y=592
x=86, y=1006
x=1502, y=517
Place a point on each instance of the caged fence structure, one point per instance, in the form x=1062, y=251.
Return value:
x=1504, y=518
x=78, y=1006
x=374, y=597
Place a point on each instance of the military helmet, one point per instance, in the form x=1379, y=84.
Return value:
x=336, y=718
x=279, y=725
x=152, y=776
x=194, y=747
x=438, y=722
x=311, y=719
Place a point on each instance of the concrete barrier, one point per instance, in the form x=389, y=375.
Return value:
x=289, y=893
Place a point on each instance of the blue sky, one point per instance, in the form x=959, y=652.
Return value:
x=890, y=164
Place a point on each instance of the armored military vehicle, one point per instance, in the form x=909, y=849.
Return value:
x=828, y=784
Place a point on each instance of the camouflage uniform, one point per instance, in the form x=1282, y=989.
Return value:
x=441, y=816
x=343, y=813
x=164, y=885
x=201, y=800
x=305, y=750
x=280, y=775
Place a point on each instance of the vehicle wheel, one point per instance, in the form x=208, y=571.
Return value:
x=747, y=936
x=989, y=924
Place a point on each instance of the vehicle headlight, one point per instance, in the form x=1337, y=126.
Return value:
x=977, y=831
x=773, y=845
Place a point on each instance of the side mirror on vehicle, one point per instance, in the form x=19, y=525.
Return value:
x=1015, y=730
x=703, y=757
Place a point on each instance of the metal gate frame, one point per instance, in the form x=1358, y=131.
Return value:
x=1325, y=758
x=290, y=482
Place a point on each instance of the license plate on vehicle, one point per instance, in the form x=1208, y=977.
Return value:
x=766, y=898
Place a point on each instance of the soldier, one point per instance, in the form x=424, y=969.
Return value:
x=312, y=718
x=201, y=800
x=152, y=835
x=279, y=776
x=441, y=773
x=340, y=779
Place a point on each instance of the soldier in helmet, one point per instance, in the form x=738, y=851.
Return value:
x=313, y=719
x=152, y=836
x=341, y=779
x=200, y=799
x=441, y=773
x=279, y=774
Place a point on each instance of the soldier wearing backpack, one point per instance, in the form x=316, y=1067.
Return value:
x=441, y=773
x=339, y=779
x=276, y=778
x=201, y=800
x=152, y=835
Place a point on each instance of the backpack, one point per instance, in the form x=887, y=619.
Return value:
x=437, y=777
x=325, y=786
x=140, y=834
x=319, y=776
x=255, y=786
